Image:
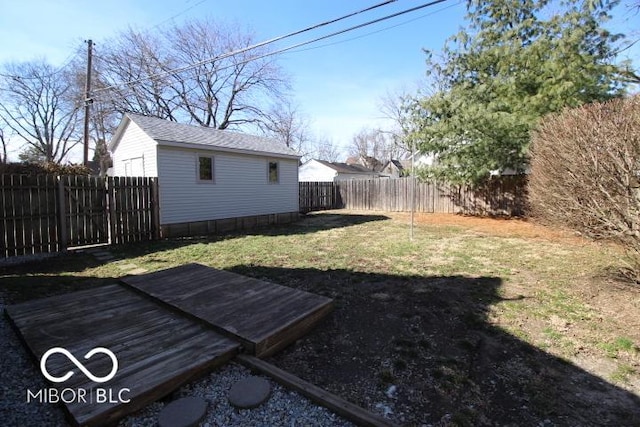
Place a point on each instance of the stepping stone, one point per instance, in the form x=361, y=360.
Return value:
x=185, y=412
x=381, y=296
x=126, y=266
x=137, y=271
x=249, y=392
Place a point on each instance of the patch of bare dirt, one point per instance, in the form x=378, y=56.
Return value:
x=505, y=227
x=423, y=351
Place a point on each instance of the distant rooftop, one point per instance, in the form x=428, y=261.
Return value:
x=345, y=168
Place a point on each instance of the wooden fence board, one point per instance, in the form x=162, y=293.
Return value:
x=317, y=196
x=49, y=213
x=133, y=209
x=27, y=215
x=504, y=196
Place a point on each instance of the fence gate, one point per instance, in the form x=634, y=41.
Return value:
x=49, y=213
x=84, y=203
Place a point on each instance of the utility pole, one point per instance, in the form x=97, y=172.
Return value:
x=87, y=102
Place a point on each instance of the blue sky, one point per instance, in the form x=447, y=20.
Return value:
x=337, y=85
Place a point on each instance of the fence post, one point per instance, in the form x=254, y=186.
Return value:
x=113, y=217
x=62, y=216
x=155, y=208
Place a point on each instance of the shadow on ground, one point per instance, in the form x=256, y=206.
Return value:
x=430, y=337
x=422, y=349
x=49, y=277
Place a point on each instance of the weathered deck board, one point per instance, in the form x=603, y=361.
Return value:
x=152, y=333
x=264, y=316
x=157, y=350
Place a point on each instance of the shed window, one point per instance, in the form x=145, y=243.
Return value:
x=273, y=172
x=205, y=168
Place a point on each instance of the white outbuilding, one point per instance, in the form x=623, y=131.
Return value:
x=209, y=180
x=322, y=171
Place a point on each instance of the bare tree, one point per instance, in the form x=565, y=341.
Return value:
x=37, y=104
x=228, y=91
x=374, y=148
x=285, y=123
x=102, y=157
x=3, y=141
x=326, y=149
x=133, y=68
x=186, y=73
x=397, y=107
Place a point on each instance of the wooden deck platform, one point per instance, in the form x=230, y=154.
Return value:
x=166, y=328
x=264, y=316
x=157, y=350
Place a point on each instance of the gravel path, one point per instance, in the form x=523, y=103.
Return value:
x=284, y=408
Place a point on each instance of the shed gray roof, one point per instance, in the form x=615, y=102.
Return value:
x=166, y=131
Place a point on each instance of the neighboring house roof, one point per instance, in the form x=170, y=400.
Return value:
x=368, y=162
x=168, y=133
x=353, y=160
x=345, y=168
x=397, y=163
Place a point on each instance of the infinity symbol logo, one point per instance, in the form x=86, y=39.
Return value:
x=88, y=374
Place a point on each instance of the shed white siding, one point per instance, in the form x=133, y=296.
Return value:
x=240, y=187
x=135, y=154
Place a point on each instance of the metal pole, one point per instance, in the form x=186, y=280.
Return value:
x=413, y=191
x=87, y=102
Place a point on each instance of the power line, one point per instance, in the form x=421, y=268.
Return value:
x=248, y=48
x=179, y=14
x=382, y=29
x=355, y=27
x=252, y=47
x=276, y=52
x=57, y=70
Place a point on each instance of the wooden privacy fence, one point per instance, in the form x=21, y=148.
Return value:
x=49, y=213
x=316, y=196
x=499, y=196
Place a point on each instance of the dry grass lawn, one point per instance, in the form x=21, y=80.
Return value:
x=475, y=321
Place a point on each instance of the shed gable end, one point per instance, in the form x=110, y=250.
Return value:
x=135, y=153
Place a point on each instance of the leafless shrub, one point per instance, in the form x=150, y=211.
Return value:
x=585, y=172
x=43, y=169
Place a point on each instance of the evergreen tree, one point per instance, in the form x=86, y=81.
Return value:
x=517, y=61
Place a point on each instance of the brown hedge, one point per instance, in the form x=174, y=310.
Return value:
x=43, y=168
x=585, y=171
